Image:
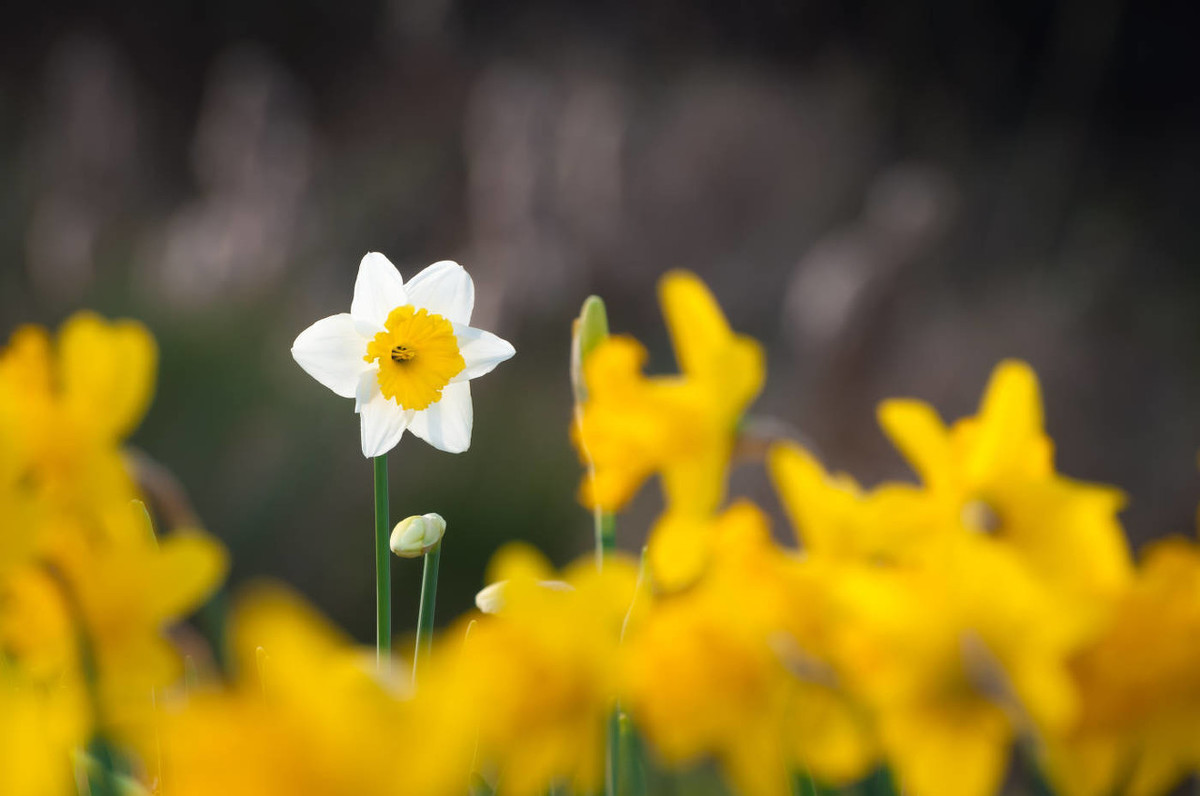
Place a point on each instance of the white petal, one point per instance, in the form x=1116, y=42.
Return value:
x=378, y=290
x=331, y=351
x=382, y=420
x=481, y=351
x=368, y=387
x=446, y=425
x=444, y=288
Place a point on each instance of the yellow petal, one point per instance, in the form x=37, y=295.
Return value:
x=754, y=762
x=188, y=567
x=832, y=738
x=920, y=435
x=1087, y=766
x=297, y=643
x=1159, y=766
x=947, y=750
x=1009, y=431
x=815, y=505
x=696, y=484
x=518, y=561
x=678, y=550
x=25, y=363
x=697, y=326
x=107, y=372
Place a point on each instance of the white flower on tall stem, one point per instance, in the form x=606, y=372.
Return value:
x=405, y=353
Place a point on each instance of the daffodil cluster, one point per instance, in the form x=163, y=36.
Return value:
x=87, y=590
x=932, y=627
x=927, y=636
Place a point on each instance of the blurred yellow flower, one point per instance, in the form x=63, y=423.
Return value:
x=306, y=715
x=956, y=660
x=681, y=427
x=732, y=669
x=96, y=609
x=67, y=406
x=833, y=516
x=993, y=474
x=542, y=671
x=1139, y=732
x=86, y=590
x=39, y=728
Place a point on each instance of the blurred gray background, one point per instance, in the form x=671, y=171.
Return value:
x=892, y=196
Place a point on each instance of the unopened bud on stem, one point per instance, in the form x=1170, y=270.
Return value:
x=415, y=536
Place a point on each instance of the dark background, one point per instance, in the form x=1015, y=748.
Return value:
x=891, y=195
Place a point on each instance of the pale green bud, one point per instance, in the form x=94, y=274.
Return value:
x=589, y=330
x=490, y=599
x=415, y=536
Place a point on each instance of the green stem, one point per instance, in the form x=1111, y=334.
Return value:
x=803, y=785
x=633, y=772
x=612, y=774
x=102, y=781
x=383, y=566
x=606, y=535
x=429, y=578
x=606, y=544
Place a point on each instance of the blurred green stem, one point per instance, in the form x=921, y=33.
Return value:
x=606, y=535
x=383, y=566
x=429, y=578
x=612, y=776
x=590, y=330
x=606, y=544
x=633, y=774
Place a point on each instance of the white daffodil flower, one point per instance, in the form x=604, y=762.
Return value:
x=405, y=353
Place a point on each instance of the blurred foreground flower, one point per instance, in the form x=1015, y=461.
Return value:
x=993, y=474
x=682, y=428
x=87, y=590
x=737, y=668
x=542, y=670
x=405, y=353
x=963, y=598
x=307, y=714
x=679, y=427
x=1139, y=732
x=67, y=404
x=929, y=631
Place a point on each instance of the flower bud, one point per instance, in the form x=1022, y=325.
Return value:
x=415, y=536
x=490, y=599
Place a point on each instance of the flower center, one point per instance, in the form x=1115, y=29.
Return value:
x=981, y=516
x=417, y=354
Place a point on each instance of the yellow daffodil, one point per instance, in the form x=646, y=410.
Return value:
x=66, y=406
x=542, y=671
x=39, y=729
x=680, y=427
x=833, y=516
x=306, y=715
x=405, y=353
x=993, y=474
x=1139, y=732
x=95, y=611
x=956, y=660
x=948, y=637
x=733, y=669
